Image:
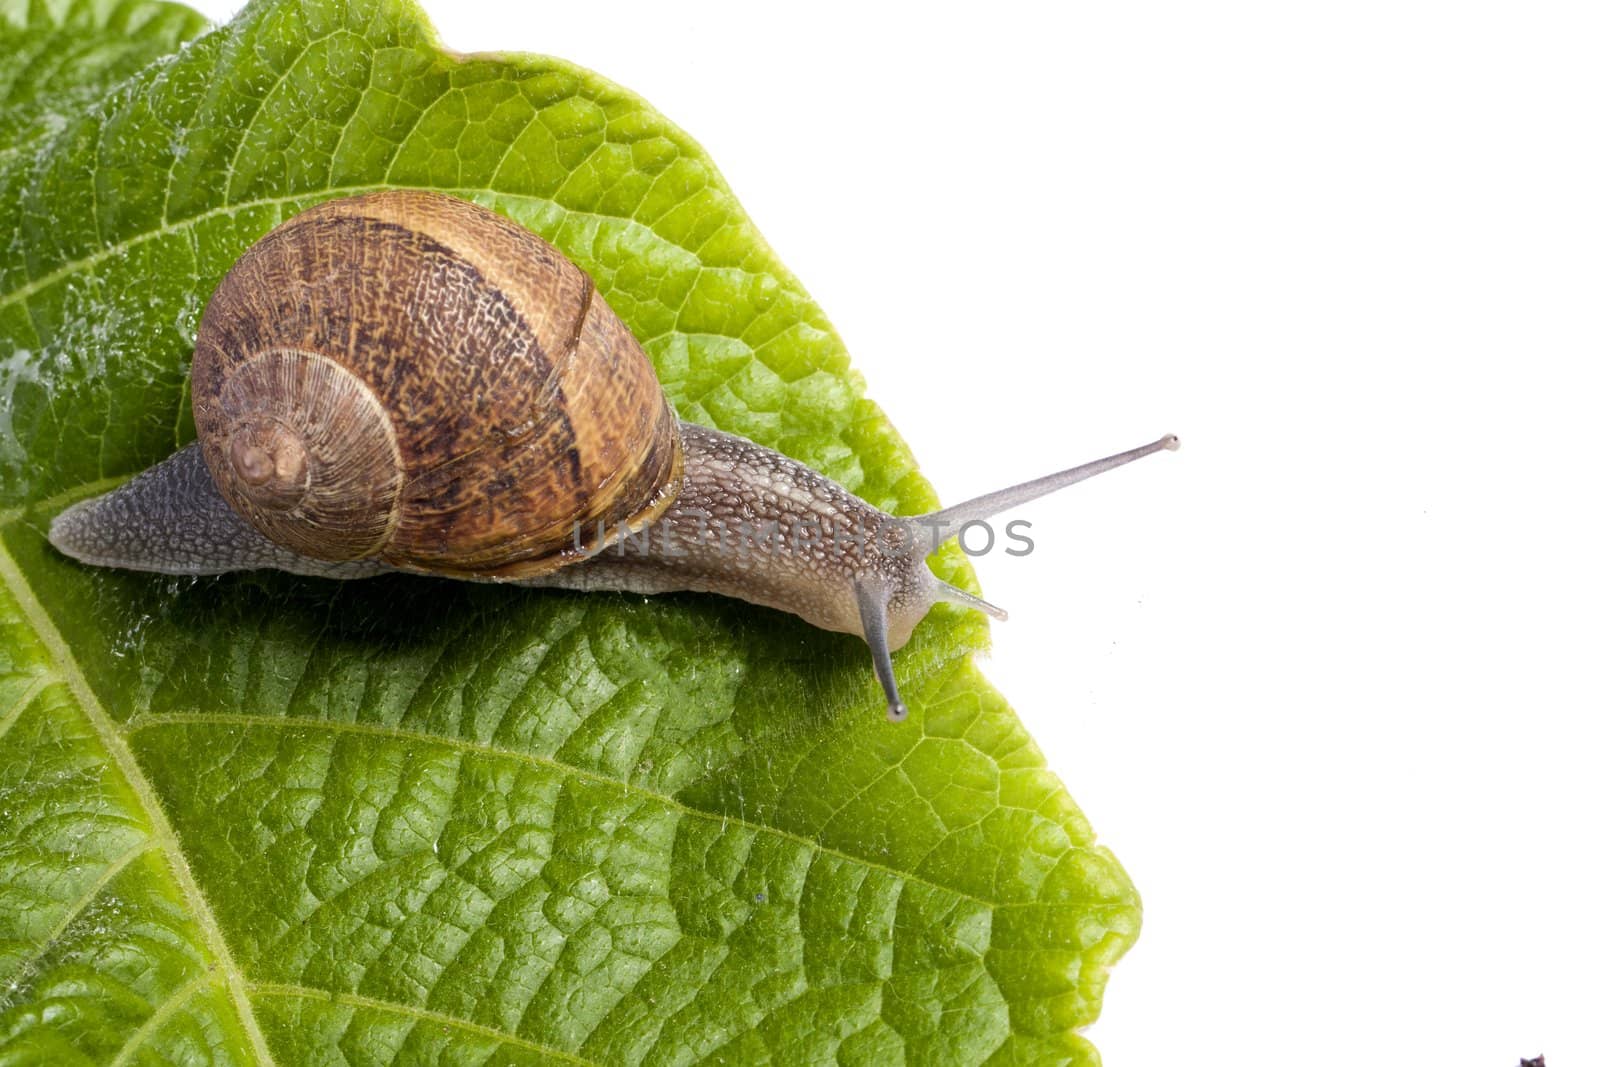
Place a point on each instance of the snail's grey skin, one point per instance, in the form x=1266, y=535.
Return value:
x=748, y=523
x=171, y=519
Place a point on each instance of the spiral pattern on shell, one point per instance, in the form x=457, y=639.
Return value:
x=410, y=377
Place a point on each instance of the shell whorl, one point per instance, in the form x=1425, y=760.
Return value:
x=409, y=377
x=309, y=455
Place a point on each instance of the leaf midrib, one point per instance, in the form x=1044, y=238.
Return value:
x=68, y=670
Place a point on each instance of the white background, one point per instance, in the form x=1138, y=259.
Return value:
x=1325, y=680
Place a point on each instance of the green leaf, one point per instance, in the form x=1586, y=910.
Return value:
x=61, y=59
x=265, y=818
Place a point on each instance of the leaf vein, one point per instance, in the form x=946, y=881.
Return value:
x=281, y=989
x=77, y=907
x=170, y=1007
x=26, y=699
x=146, y=722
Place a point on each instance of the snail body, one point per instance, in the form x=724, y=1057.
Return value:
x=408, y=382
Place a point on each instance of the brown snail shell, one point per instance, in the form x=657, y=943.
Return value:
x=411, y=378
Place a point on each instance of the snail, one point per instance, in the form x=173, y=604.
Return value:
x=405, y=381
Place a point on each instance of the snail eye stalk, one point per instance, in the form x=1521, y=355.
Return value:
x=948, y=521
